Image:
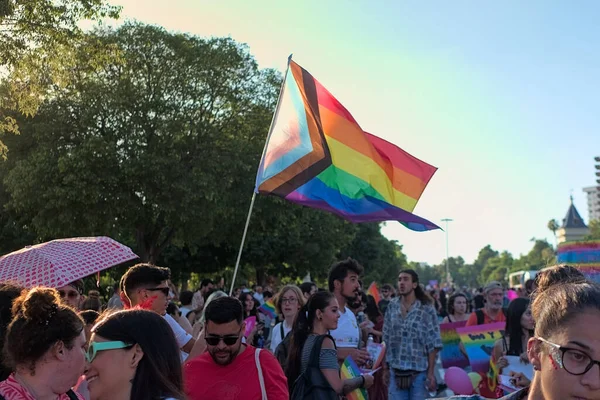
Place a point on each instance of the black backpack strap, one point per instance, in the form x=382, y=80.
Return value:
x=315, y=353
x=281, y=330
x=480, y=317
x=72, y=395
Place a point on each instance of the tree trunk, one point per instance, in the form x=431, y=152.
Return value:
x=260, y=276
x=150, y=245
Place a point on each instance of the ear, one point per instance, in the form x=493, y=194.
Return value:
x=136, y=356
x=319, y=314
x=337, y=284
x=59, y=351
x=243, y=328
x=415, y=285
x=534, y=353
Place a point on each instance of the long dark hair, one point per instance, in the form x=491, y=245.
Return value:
x=420, y=293
x=514, y=330
x=242, y=299
x=372, y=310
x=303, y=326
x=159, y=373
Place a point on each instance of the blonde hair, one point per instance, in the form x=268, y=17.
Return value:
x=286, y=288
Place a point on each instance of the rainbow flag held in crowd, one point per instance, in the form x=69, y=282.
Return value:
x=318, y=156
x=350, y=370
x=373, y=291
x=268, y=309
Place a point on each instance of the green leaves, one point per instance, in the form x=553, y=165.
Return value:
x=35, y=36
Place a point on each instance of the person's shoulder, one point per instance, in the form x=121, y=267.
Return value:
x=472, y=319
x=202, y=361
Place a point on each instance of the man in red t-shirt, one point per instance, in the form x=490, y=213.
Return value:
x=492, y=311
x=230, y=370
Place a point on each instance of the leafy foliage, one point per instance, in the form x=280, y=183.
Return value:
x=34, y=35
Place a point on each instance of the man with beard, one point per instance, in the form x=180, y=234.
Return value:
x=492, y=311
x=412, y=336
x=344, y=284
x=230, y=369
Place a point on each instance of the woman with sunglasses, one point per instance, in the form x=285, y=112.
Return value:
x=565, y=350
x=133, y=355
x=44, y=347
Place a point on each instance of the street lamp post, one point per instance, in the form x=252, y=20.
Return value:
x=446, y=220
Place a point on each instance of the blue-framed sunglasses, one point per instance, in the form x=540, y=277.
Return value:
x=95, y=347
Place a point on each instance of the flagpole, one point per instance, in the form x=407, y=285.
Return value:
x=273, y=119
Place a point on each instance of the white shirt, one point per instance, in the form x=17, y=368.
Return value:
x=347, y=333
x=181, y=336
x=260, y=298
x=276, y=335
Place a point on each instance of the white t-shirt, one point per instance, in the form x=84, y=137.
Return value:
x=181, y=336
x=276, y=335
x=260, y=298
x=347, y=333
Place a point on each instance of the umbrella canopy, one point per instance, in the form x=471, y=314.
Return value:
x=60, y=262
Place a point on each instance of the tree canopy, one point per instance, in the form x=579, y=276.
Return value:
x=34, y=35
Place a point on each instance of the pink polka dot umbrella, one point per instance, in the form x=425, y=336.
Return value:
x=60, y=262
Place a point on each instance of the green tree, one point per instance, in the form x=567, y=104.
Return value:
x=33, y=34
x=594, y=230
x=553, y=226
x=497, y=268
x=382, y=258
x=160, y=144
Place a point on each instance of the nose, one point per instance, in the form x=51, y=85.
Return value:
x=591, y=379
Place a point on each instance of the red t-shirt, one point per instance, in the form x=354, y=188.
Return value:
x=486, y=318
x=206, y=380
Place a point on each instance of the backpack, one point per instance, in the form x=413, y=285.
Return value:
x=312, y=384
x=481, y=317
x=282, y=349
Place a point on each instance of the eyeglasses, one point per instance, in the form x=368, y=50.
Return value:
x=229, y=340
x=291, y=300
x=95, y=347
x=574, y=361
x=166, y=291
x=70, y=294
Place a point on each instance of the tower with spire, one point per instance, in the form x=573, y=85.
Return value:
x=573, y=227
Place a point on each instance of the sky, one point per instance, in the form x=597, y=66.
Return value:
x=502, y=97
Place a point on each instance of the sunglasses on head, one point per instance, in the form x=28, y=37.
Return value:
x=229, y=340
x=70, y=294
x=95, y=347
x=165, y=290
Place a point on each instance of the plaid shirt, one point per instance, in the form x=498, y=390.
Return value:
x=410, y=340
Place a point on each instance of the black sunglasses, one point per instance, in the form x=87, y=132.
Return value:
x=229, y=340
x=165, y=290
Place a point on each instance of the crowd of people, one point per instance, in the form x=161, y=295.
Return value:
x=150, y=341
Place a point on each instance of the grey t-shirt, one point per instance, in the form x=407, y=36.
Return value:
x=327, y=357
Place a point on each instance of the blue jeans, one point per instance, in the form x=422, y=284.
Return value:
x=417, y=390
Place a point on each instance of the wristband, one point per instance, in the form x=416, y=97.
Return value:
x=362, y=385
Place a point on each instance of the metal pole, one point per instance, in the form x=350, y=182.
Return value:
x=239, y=257
x=446, y=220
x=275, y=114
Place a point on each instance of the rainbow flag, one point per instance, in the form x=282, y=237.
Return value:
x=268, y=309
x=373, y=291
x=318, y=156
x=350, y=370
